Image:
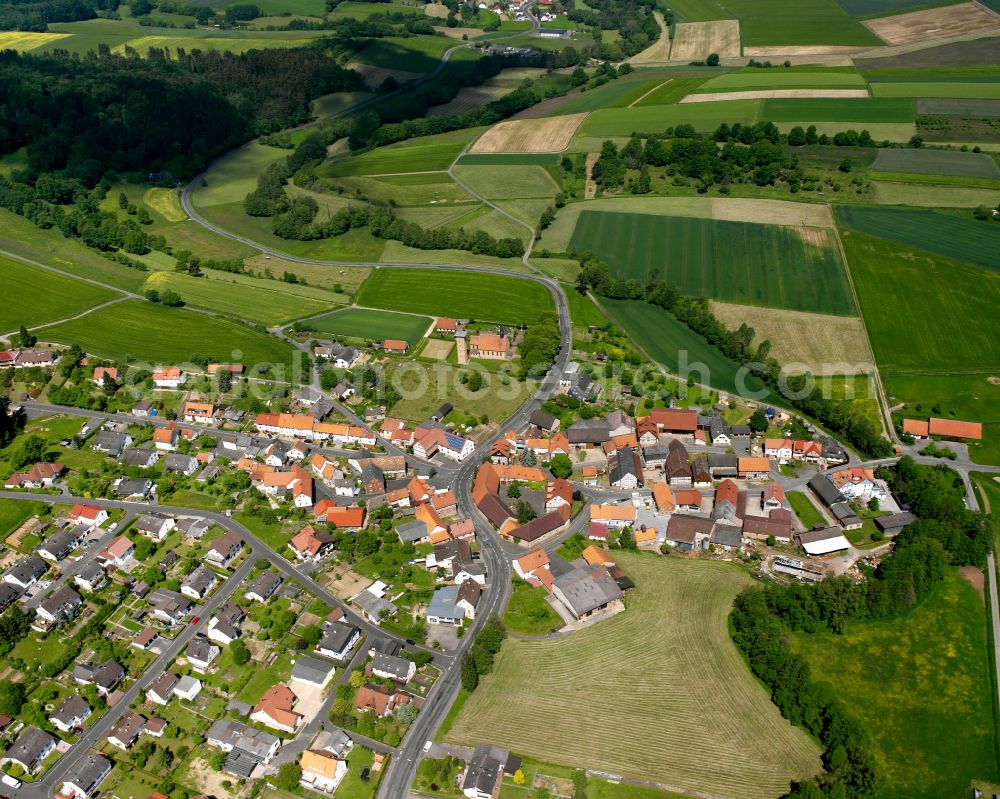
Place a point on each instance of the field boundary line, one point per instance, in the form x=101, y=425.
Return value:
x=636, y=102
x=883, y=400
x=74, y=318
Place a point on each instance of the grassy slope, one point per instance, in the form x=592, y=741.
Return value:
x=677, y=684
x=921, y=685
x=33, y=296
x=924, y=312
x=414, y=155
x=656, y=118
x=467, y=295
x=376, y=325
x=672, y=344
x=167, y=335
x=735, y=262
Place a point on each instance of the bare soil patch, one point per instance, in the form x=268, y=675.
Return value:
x=438, y=10
x=994, y=380
x=933, y=23
x=771, y=94
x=437, y=349
x=698, y=40
x=976, y=577
x=812, y=235
x=590, y=186
x=659, y=51
x=791, y=50
x=374, y=76
x=550, y=135
x=772, y=212
x=826, y=344
x=346, y=585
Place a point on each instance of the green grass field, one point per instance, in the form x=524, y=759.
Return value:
x=528, y=613
x=728, y=261
x=423, y=154
x=234, y=176
x=921, y=685
x=660, y=728
x=805, y=510
x=964, y=91
x=924, y=312
x=944, y=234
x=971, y=397
x=374, y=325
x=266, y=304
x=143, y=44
x=413, y=54
x=424, y=386
x=677, y=348
x=797, y=23
x=508, y=182
x=611, y=122
x=961, y=108
x=842, y=110
x=937, y=162
x=509, y=159
x=360, y=10
x=38, y=296
x=873, y=8
x=672, y=92
x=463, y=295
x=759, y=80
x=582, y=311
x=931, y=196
x=14, y=512
x=168, y=335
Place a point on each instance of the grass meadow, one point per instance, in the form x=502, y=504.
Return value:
x=873, y=8
x=970, y=397
x=14, y=512
x=508, y=182
x=414, y=53
x=736, y=262
x=962, y=91
x=848, y=109
x=423, y=390
x=266, y=304
x=150, y=332
x=805, y=510
x=678, y=682
x=921, y=685
x=676, y=347
x=671, y=92
x=937, y=162
x=234, y=176
x=943, y=234
x=423, y=154
x=36, y=295
x=612, y=122
x=924, y=312
x=463, y=295
x=795, y=22
x=760, y=80
x=374, y=325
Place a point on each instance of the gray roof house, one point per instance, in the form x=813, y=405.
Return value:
x=339, y=640
x=485, y=771
x=62, y=604
x=168, y=606
x=201, y=653
x=199, y=582
x=154, y=525
x=126, y=487
x=587, y=591
x=30, y=749
x=82, y=779
x=58, y=546
x=176, y=462
x=262, y=588
x=111, y=443
x=26, y=572
x=70, y=714
x=393, y=668
x=247, y=747
x=143, y=458
x=312, y=671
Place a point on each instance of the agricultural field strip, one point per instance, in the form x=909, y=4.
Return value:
x=937, y=162
x=771, y=94
x=745, y=81
x=373, y=324
x=943, y=89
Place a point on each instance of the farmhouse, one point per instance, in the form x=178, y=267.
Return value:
x=587, y=592
x=429, y=441
x=614, y=516
x=688, y=533
x=395, y=346
x=945, y=428
x=857, y=483
x=754, y=468
x=625, y=470
x=169, y=377
x=543, y=525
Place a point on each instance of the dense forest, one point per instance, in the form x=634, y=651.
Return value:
x=696, y=313
x=946, y=533
x=108, y=113
x=632, y=19
x=35, y=15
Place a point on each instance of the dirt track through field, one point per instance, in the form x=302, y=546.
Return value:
x=660, y=86
x=771, y=94
x=698, y=40
x=550, y=135
x=933, y=23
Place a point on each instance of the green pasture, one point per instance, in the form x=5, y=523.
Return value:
x=882, y=8
x=945, y=106
x=805, y=510
x=937, y=162
x=582, y=311
x=681, y=351
x=528, y=613
x=795, y=22
x=924, y=312
x=412, y=53
x=359, y=10
x=423, y=154
x=944, y=234
x=36, y=296
x=961, y=91
x=612, y=122
x=458, y=294
x=971, y=397
x=508, y=182
x=850, y=109
x=15, y=512
x=266, y=304
x=143, y=44
x=931, y=196
x=922, y=686
x=154, y=333
x=671, y=92
x=235, y=175
x=373, y=325
x=760, y=80
x=509, y=159
x=736, y=262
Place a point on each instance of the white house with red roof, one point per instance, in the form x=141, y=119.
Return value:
x=89, y=515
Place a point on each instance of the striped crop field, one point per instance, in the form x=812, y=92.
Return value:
x=25, y=41
x=738, y=262
x=961, y=91
x=670, y=685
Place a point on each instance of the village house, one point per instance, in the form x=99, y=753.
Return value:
x=200, y=582
x=321, y=771
x=275, y=709
x=89, y=515
x=588, y=592
x=105, y=373
x=391, y=667
x=83, y=778
x=162, y=688
x=119, y=553
x=127, y=730
x=484, y=775
x=616, y=517
x=169, y=377
x=857, y=483
x=155, y=526
x=339, y=640
x=376, y=698
x=92, y=577
x=41, y=475
x=30, y=749
x=26, y=572
x=395, y=346
x=201, y=653
x=104, y=677
x=61, y=605
x=61, y=544
x=263, y=587
x=198, y=412
x=310, y=544
x=224, y=549
x=168, y=606
x=70, y=714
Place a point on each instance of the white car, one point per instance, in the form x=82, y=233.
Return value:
x=427, y=746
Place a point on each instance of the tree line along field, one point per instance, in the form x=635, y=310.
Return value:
x=266, y=304
x=924, y=312
x=454, y=293
x=921, y=685
x=681, y=690
x=680, y=350
x=944, y=234
x=375, y=325
x=738, y=262
x=937, y=162
x=154, y=333
x=36, y=296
